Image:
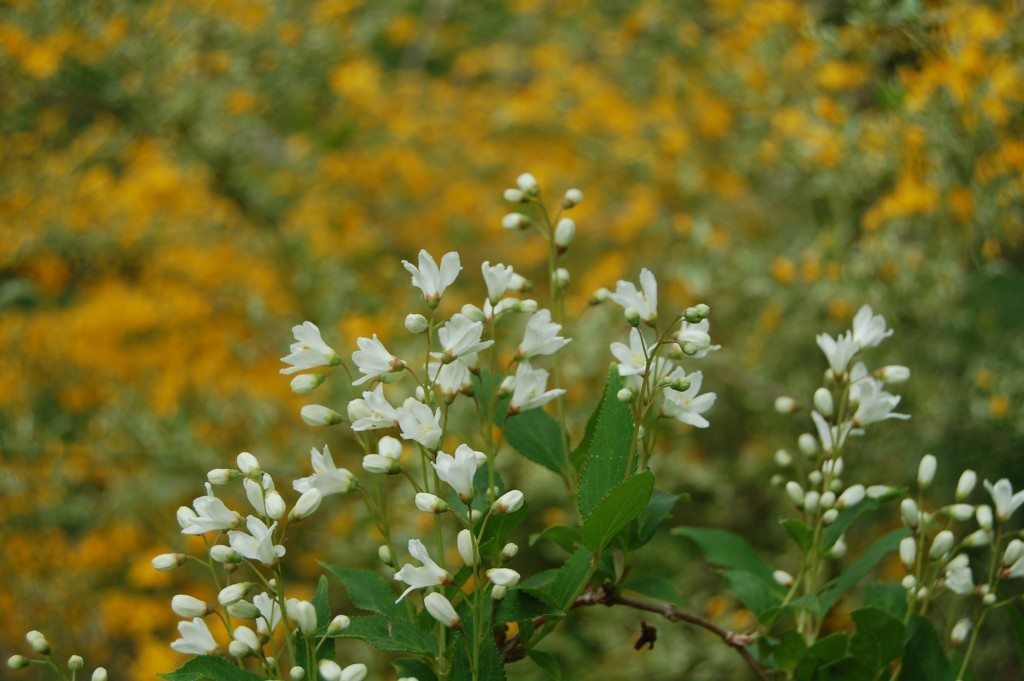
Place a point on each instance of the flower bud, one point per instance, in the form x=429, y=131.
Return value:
x=275, y=505
x=807, y=444
x=440, y=608
x=564, y=234
x=851, y=496
x=838, y=549
x=338, y=625
x=306, y=383
x=302, y=614
x=233, y=593
x=430, y=503
x=354, y=672
x=964, y=486
x=783, y=459
x=166, y=562
x=384, y=553
x=881, y=491
x=909, y=582
x=243, y=610
x=984, y=516
x=977, y=538
x=17, y=662
x=814, y=477
x=318, y=415
x=908, y=552
x=467, y=548
x=528, y=184
x=298, y=673
x=358, y=409
x=782, y=578
x=941, y=545
x=99, y=674
x=247, y=464
x=509, y=502
x=514, y=221
x=188, y=607
x=894, y=373
x=225, y=554
x=515, y=196
x=926, y=471
x=795, y=492
x=244, y=642
x=989, y=599
x=572, y=198
x=221, y=476
x=509, y=551
x=599, y=296
x=828, y=500
x=329, y=670
x=498, y=592
x=75, y=663
x=378, y=463
x=632, y=316
x=308, y=503
x=811, y=502
x=910, y=513
x=823, y=401
x=505, y=577
x=829, y=516
x=624, y=395
x=960, y=631
x=786, y=405
x=475, y=515
x=416, y=323
x=1014, y=551
x=561, y=279
x=960, y=512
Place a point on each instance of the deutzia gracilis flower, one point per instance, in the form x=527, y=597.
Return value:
x=373, y=360
x=270, y=611
x=529, y=389
x=697, y=334
x=632, y=359
x=1003, y=498
x=541, y=337
x=258, y=544
x=302, y=614
x=196, y=639
x=431, y=574
x=378, y=414
x=645, y=302
x=451, y=379
x=309, y=350
x=327, y=477
x=498, y=279
x=211, y=515
x=419, y=423
x=431, y=279
x=386, y=460
x=838, y=351
x=687, y=406
x=318, y=416
x=458, y=471
x=868, y=328
x=460, y=337
x=184, y=605
x=440, y=608
x=873, y=403
x=959, y=578
x=831, y=437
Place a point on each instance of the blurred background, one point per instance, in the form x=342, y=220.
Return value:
x=181, y=181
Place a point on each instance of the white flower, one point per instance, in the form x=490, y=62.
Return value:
x=245, y=641
x=211, y=515
x=541, y=337
x=373, y=360
x=959, y=578
x=386, y=460
x=452, y=378
x=873, y=403
x=687, y=406
x=270, y=611
x=1003, y=498
x=831, y=437
x=431, y=279
x=699, y=337
x=378, y=412
x=460, y=337
x=509, y=502
x=529, y=389
x=645, y=302
x=498, y=279
x=838, y=351
x=868, y=328
x=196, y=638
x=309, y=350
x=419, y=423
x=327, y=478
x=302, y=614
x=184, y=605
x=458, y=471
x=431, y=574
x=440, y=608
x=258, y=544
x=632, y=359
x=467, y=548
x=503, y=577
x=307, y=504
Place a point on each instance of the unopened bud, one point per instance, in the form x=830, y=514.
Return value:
x=599, y=296
x=467, y=548
x=416, y=323
x=275, y=505
x=572, y=198
x=960, y=512
x=306, y=383
x=1014, y=551
x=338, y=625
x=515, y=196
x=564, y=234
x=984, y=516
x=307, y=504
x=243, y=610
x=318, y=415
x=17, y=662
x=505, y=577
x=851, y=496
x=221, y=476
x=430, y=503
x=624, y=395
x=187, y=606
x=528, y=184
x=515, y=221
x=440, y=608
x=960, y=631
x=384, y=553
x=838, y=549
x=166, y=562
x=894, y=373
x=823, y=401
x=811, y=502
x=509, y=551
x=910, y=513
x=632, y=316
x=926, y=471
x=795, y=492
x=807, y=444
x=783, y=459
x=498, y=592
x=75, y=663
x=941, y=545
x=978, y=538
x=233, y=593
x=829, y=516
x=561, y=279
x=509, y=502
x=99, y=674
x=248, y=465
x=786, y=405
x=782, y=578
x=964, y=486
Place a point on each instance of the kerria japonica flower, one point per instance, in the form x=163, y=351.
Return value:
x=378, y=413
x=687, y=405
x=458, y=471
x=431, y=279
x=373, y=360
x=196, y=639
x=258, y=543
x=460, y=337
x=529, y=389
x=430, y=574
x=211, y=515
x=1003, y=498
x=868, y=328
x=309, y=350
x=541, y=337
x=420, y=424
x=327, y=478
x=644, y=301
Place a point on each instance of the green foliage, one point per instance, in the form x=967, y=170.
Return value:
x=526, y=603
x=323, y=619
x=726, y=550
x=603, y=454
x=387, y=633
x=572, y=577
x=924, y=659
x=653, y=586
x=878, y=639
x=547, y=662
x=616, y=510
x=367, y=590
x=860, y=568
x=539, y=438
x=209, y=668
x=414, y=668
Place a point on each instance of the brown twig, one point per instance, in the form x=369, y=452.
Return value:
x=609, y=596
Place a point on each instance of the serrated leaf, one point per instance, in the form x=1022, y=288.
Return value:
x=789, y=650
x=490, y=665
x=755, y=593
x=539, y=438
x=571, y=578
x=209, y=668
x=798, y=532
x=562, y=535
x=657, y=511
x=604, y=452
x=547, y=662
x=727, y=550
x=653, y=586
x=391, y=634
x=525, y=603
x=860, y=568
x=878, y=639
x=890, y=597
x=368, y=590
x=410, y=667
x=923, y=658
x=616, y=510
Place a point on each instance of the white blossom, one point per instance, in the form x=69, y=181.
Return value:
x=452, y=378
x=210, y=515
x=644, y=301
x=270, y=611
x=386, y=460
x=302, y=614
x=327, y=478
x=458, y=471
x=460, y=337
x=309, y=350
x=498, y=279
x=196, y=638
x=838, y=351
x=959, y=578
x=873, y=403
x=529, y=391
x=686, y=405
x=378, y=412
x=430, y=574
x=698, y=335
x=632, y=358
x=431, y=279
x=258, y=543
x=373, y=360
x=541, y=337
x=419, y=423
x=868, y=328
x=1003, y=498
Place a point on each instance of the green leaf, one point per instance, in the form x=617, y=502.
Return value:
x=604, y=452
x=755, y=593
x=878, y=639
x=368, y=590
x=571, y=578
x=524, y=603
x=547, y=662
x=835, y=529
x=391, y=634
x=727, y=550
x=490, y=669
x=562, y=535
x=860, y=568
x=209, y=668
x=1017, y=625
x=789, y=650
x=410, y=667
x=889, y=597
x=616, y=510
x=798, y=532
x=653, y=586
x=539, y=438
x=657, y=511
x=923, y=659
